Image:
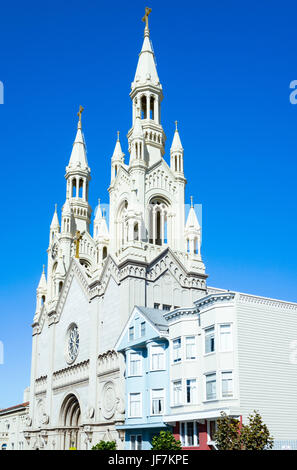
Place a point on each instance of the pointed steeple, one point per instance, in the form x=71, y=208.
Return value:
x=98, y=216
x=146, y=71
x=146, y=94
x=193, y=233
x=42, y=283
x=176, y=145
x=177, y=153
x=55, y=225
x=192, y=221
x=117, y=153
x=78, y=177
x=78, y=156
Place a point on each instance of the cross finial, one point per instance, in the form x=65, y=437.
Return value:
x=56, y=207
x=191, y=197
x=43, y=267
x=145, y=18
x=118, y=132
x=79, y=114
x=176, y=125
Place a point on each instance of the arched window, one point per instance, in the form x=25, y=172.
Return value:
x=104, y=252
x=158, y=221
x=143, y=111
x=152, y=108
x=60, y=286
x=81, y=183
x=42, y=300
x=73, y=189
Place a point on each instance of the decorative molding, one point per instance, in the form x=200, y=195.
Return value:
x=72, y=374
x=264, y=301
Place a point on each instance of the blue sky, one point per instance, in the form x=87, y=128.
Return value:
x=225, y=68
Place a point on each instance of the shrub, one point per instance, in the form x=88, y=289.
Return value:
x=165, y=441
x=105, y=445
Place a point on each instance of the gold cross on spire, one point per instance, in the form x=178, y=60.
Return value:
x=175, y=125
x=80, y=113
x=191, y=197
x=145, y=18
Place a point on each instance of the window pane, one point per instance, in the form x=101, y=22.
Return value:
x=177, y=392
x=190, y=347
x=211, y=393
x=157, y=358
x=177, y=350
x=227, y=384
x=131, y=333
x=225, y=337
x=209, y=340
x=135, y=405
x=157, y=401
x=191, y=391
x=142, y=329
x=190, y=433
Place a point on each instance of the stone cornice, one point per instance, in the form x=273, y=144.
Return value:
x=205, y=302
x=267, y=302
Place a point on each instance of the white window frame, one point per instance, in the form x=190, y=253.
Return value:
x=184, y=437
x=216, y=382
x=231, y=337
x=161, y=346
x=136, y=441
x=173, y=394
x=140, y=330
x=195, y=402
x=215, y=339
x=221, y=384
x=130, y=327
x=129, y=404
x=131, y=353
x=181, y=350
x=195, y=348
x=151, y=402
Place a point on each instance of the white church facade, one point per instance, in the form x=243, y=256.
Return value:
x=146, y=254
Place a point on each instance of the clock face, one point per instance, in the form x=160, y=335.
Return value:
x=54, y=250
x=72, y=343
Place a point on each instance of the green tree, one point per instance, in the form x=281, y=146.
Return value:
x=227, y=435
x=165, y=441
x=105, y=445
x=256, y=435
x=231, y=435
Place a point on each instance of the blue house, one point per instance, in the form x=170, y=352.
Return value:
x=144, y=343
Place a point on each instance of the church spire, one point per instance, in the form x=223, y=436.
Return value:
x=55, y=225
x=78, y=158
x=78, y=177
x=146, y=94
x=117, y=158
x=176, y=153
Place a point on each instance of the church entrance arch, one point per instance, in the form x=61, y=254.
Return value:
x=70, y=419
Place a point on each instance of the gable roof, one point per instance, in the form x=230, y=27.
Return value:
x=155, y=316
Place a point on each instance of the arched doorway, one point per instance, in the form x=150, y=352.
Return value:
x=70, y=420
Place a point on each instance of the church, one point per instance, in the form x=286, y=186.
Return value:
x=141, y=264
x=146, y=254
